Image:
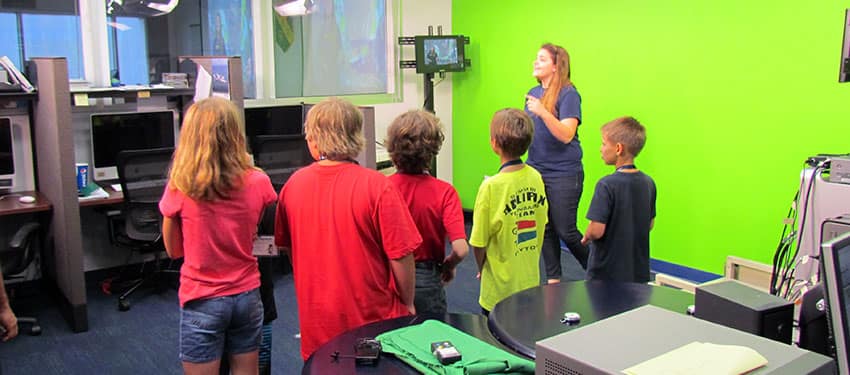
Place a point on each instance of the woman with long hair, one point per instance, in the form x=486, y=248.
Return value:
x=555, y=107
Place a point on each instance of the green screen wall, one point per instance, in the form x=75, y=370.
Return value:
x=734, y=94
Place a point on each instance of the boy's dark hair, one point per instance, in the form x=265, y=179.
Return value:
x=512, y=129
x=628, y=132
x=413, y=139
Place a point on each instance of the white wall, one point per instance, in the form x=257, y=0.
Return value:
x=416, y=16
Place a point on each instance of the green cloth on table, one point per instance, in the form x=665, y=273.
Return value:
x=412, y=345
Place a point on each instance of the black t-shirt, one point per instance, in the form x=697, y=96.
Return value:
x=625, y=203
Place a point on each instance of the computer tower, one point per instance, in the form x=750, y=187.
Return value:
x=736, y=305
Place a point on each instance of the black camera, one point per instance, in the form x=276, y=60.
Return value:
x=367, y=351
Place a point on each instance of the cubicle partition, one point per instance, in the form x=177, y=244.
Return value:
x=56, y=176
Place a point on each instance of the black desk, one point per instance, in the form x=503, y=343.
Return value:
x=534, y=314
x=115, y=197
x=322, y=362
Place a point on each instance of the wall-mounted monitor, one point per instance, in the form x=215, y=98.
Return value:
x=275, y=120
x=836, y=281
x=7, y=157
x=844, y=71
x=439, y=53
x=112, y=133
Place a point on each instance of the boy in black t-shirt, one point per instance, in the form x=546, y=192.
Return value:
x=622, y=211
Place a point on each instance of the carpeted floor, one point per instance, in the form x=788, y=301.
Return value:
x=144, y=339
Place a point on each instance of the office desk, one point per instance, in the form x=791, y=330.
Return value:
x=115, y=197
x=522, y=319
x=9, y=204
x=321, y=361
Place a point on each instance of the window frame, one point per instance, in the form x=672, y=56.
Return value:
x=96, y=67
x=264, y=46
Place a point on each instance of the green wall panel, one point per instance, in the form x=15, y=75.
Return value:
x=734, y=95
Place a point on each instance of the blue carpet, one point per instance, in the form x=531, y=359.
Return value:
x=144, y=339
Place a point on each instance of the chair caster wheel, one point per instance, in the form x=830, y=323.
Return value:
x=123, y=305
x=35, y=331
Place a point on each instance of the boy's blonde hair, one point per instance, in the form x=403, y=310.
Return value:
x=335, y=127
x=561, y=79
x=413, y=139
x=210, y=158
x=511, y=130
x=628, y=132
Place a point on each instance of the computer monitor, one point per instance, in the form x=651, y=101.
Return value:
x=275, y=120
x=280, y=156
x=112, y=133
x=7, y=157
x=836, y=281
x=439, y=53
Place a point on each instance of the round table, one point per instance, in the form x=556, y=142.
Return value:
x=322, y=360
x=522, y=319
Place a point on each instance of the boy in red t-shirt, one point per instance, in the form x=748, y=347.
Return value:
x=210, y=210
x=413, y=140
x=347, y=231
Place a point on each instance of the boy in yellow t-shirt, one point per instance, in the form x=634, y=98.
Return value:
x=510, y=214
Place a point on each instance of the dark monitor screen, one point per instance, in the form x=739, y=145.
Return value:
x=836, y=272
x=279, y=120
x=442, y=53
x=7, y=160
x=112, y=133
x=280, y=156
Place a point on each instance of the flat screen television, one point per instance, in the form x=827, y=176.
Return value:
x=835, y=255
x=7, y=157
x=439, y=53
x=275, y=120
x=112, y=133
x=844, y=72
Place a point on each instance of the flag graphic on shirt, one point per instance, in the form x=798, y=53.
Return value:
x=526, y=230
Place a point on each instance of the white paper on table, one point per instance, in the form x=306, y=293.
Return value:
x=699, y=358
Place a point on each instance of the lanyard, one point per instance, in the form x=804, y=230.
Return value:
x=510, y=163
x=625, y=167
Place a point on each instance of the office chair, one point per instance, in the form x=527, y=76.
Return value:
x=280, y=156
x=143, y=175
x=19, y=253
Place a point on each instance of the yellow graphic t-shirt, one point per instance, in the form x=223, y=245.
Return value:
x=510, y=215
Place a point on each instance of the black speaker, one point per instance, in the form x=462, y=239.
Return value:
x=742, y=307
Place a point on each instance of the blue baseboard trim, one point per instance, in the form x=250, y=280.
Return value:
x=682, y=272
x=656, y=265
